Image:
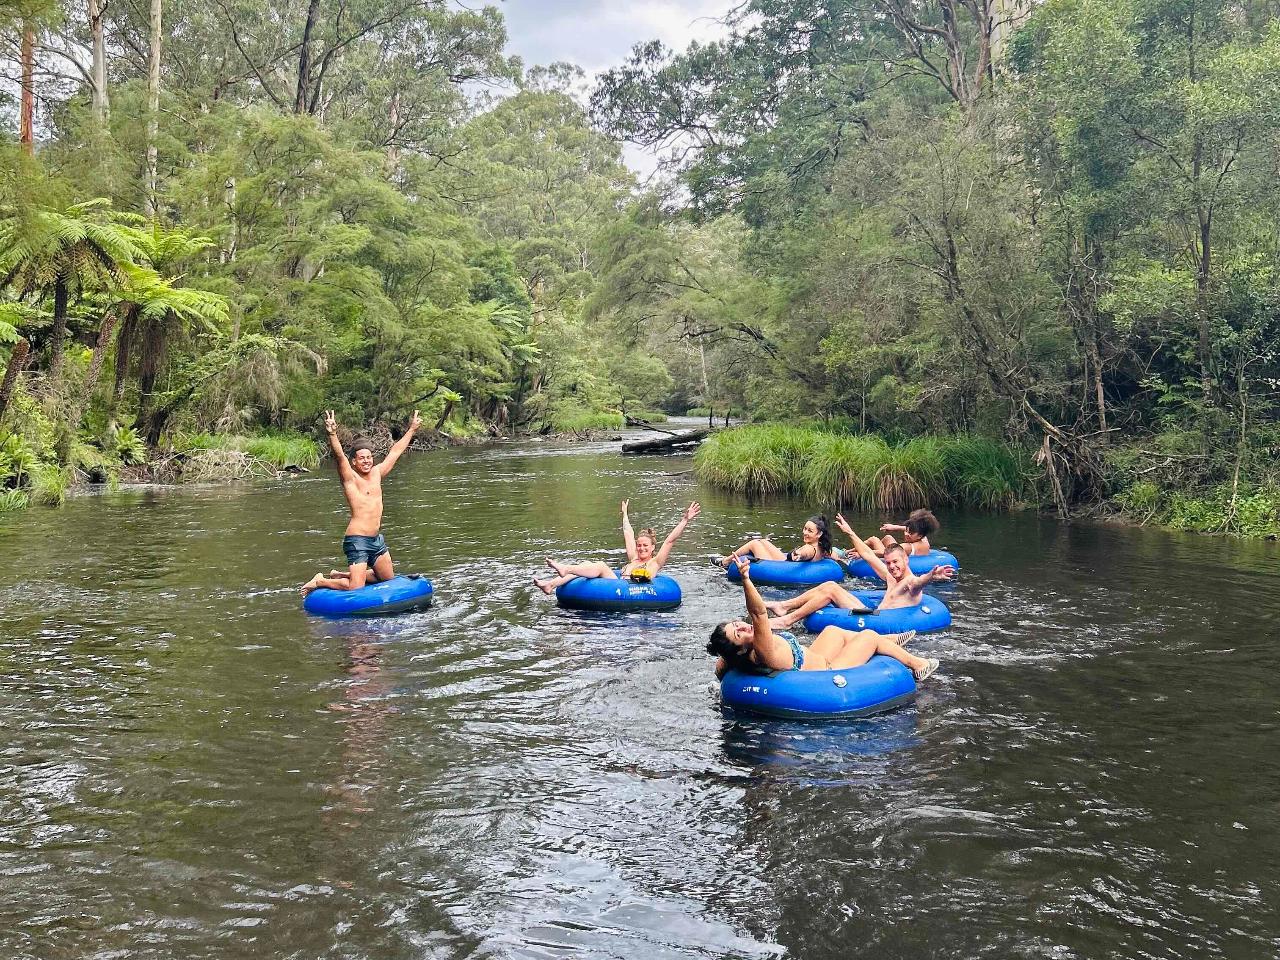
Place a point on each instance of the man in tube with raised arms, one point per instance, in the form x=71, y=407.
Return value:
x=368, y=559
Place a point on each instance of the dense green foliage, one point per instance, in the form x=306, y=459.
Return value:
x=910, y=216
x=340, y=217
x=1054, y=224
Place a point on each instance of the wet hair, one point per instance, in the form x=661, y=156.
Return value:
x=735, y=657
x=922, y=523
x=824, y=536
x=360, y=443
x=895, y=546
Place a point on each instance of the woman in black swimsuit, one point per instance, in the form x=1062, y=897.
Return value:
x=816, y=545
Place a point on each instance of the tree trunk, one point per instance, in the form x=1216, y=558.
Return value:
x=1099, y=396
x=304, y=58
x=154, y=335
x=58, y=334
x=98, y=72
x=1084, y=269
x=448, y=409
x=110, y=320
x=17, y=361
x=393, y=151
x=81, y=400
x=228, y=254
x=27, y=110
x=153, y=108
x=124, y=346
x=1202, y=306
x=663, y=444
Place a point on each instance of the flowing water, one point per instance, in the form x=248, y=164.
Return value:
x=192, y=768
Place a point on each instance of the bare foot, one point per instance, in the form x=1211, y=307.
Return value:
x=776, y=607
x=312, y=584
x=339, y=574
x=780, y=623
x=544, y=585
x=557, y=567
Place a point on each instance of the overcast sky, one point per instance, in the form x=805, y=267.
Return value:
x=598, y=34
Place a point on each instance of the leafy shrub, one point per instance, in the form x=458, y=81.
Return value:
x=16, y=458
x=1256, y=512
x=1143, y=496
x=127, y=446
x=1258, y=515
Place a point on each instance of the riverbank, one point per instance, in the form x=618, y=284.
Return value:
x=30, y=476
x=869, y=473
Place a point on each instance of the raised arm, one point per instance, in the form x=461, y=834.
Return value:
x=865, y=552
x=771, y=651
x=339, y=455
x=892, y=528
x=939, y=574
x=665, y=550
x=756, y=611
x=400, y=446
x=628, y=535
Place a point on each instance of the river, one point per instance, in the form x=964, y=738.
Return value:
x=192, y=768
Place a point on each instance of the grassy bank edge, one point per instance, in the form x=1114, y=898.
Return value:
x=868, y=473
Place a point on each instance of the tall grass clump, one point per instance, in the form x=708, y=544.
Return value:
x=49, y=484
x=284, y=450
x=277, y=450
x=864, y=471
x=842, y=470
x=912, y=474
x=576, y=421
x=760, y=459
x=984, y=473
x=12, y=500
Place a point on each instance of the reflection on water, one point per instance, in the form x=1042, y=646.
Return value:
x=813, y=752
x=193, y=768
x=364, y=707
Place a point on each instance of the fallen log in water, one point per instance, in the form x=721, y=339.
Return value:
x=664, y=444
x=637, y=422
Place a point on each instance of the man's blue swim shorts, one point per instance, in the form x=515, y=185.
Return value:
x=362, y=549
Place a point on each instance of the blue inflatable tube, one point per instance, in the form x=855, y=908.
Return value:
x=397, y=595
x=921, y=564
x=929, y=614
x=880, y=684
x=596, y=593
x=791, y=573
